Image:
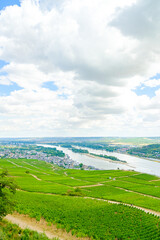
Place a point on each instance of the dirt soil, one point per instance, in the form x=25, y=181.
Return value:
x=41, y=226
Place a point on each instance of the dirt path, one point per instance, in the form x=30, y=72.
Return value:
x=126, y=204
x=51, y=231
x=105, y=200
x=41, y=227
x=26, y=167
x=154, y=180
x=37, y=168
x=129, y=175
x=95, y=185
x=74, y=178
x=31, y=165
x=14, y=163
x=127, y=190
x=143, y=194
x=20, y=165
x=36, y=177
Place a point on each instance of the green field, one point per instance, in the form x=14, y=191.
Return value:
x=85, y=217
x=12, y=231
x=62, y=197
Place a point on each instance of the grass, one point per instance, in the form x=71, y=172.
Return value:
x=61, y=182
x=136, y=187
x=85, y=217
x=112, y=193
x=14, y=232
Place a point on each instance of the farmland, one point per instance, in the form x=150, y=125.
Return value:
x=86, y=217
x=71, y=198
x=12, y=231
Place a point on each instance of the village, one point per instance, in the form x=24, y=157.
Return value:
x=19, y=153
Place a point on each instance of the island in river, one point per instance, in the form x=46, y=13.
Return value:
x=104, y=157
x=111, y=158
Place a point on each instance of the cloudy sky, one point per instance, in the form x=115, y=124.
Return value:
x=79, y=68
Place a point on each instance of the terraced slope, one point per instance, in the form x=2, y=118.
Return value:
x=71, y=199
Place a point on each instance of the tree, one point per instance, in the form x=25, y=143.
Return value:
x=81, y=166
x=7, y=189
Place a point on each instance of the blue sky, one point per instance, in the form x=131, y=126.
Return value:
x=145, y=90
x=5, y=90
x=5, y=3
x=2, y=63
x=77, y=79
x=50, y=85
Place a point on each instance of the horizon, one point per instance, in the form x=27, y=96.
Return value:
x=81, y=137
x=87, y=137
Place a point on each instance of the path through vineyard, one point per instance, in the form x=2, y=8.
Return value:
x=41, y=226
x=126, y=204
x=115, y=202
x=52, y=231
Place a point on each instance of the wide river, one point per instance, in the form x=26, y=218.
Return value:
x=133, y=163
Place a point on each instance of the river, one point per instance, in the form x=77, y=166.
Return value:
x=133, y=163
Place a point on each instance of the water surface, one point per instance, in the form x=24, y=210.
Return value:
x=133, y=163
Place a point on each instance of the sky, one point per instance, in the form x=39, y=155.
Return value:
x=79, y=68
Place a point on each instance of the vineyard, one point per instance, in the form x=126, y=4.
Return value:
x=12, y=231
x=62, y=197
x=85, y=217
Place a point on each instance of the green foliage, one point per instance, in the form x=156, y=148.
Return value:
x=76, y=192
x=77, y=150
x=146, y=177
x=150, y=151
x=12, y=231
x=66, y=145
x=50, y=151
x=108, y=157
x=86, y=217
x=96, y=145
x=7, y=189
x=120, y=195
x=81, y=165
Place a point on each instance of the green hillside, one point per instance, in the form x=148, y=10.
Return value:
x=71, y=199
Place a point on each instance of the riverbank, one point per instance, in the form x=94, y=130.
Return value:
x=148, y=159
x=107, y=159
x=127, y=154
x=133, y=163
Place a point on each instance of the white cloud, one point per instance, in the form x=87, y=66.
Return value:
x=96, y=52
x=153, y=83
